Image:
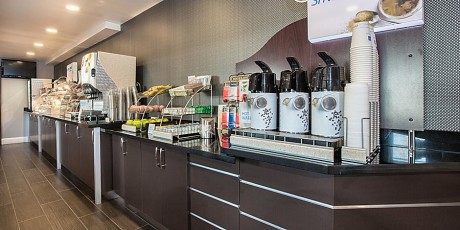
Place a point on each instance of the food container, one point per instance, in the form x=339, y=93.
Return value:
x=208, y=126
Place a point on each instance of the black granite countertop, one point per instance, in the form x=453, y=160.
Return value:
x=211, y=149
x=84, y=124
x=202, y=147
x=343, y=168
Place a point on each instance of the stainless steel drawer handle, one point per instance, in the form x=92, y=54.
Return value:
x=77, y=132
x=162, y=158
x=157, y=157
x=123, y=141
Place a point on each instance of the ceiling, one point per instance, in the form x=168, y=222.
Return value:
x=24, y=22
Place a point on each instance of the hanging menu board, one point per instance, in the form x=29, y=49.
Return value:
x=329, y=19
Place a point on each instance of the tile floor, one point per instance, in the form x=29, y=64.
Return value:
x=34, y=195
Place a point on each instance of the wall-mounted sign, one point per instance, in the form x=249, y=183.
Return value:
x=329, y=19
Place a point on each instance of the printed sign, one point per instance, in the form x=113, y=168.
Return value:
x=329, y=19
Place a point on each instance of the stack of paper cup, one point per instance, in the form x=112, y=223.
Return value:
x=364, y=68
x=357, y=113
x=361, y=55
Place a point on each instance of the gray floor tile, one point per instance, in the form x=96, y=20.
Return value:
x=78, y=202
x=34, y=176
x=12, y=171
x=61, y=216
x=8, y=161
x=26, y=206
x=26, y=164
x=39, y=223
x=18, y=184
x=4, y=195
x=124, y=218
x=59, y=182
x=2, y=177
x=7, y=218
x=46, y=168
x=45, y=192
x=98, y=221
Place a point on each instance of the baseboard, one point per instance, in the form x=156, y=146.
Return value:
x=14, y=140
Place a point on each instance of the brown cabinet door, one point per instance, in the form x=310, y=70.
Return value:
x=74, y=149
x=106, y=162
x=34, y=132
x=64, y=134
x=86, y=166
x=44, y=133
x=53, y=139
x=151, y=184
x=118, y=165
x=132, y=158
x=175, y=215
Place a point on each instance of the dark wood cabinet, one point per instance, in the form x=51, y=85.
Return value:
x=52, y=139
x=118, y=165
x=48, y=132
x=106, y=163
x=44, y=132
x=73, y=150
x=151, y=185
x=175, y=189
x=86, y=164
x=127, y=169
x=214, y=192
x=77, y=151
x=132, y=165
x=164, y=185
x=33, y=128
x=65, y=139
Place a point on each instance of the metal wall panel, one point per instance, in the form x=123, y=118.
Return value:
x=178, y=38
x=442, y=65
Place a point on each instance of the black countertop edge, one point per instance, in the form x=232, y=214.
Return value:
x=196, y=149
x=349, y=169
x=84, y=124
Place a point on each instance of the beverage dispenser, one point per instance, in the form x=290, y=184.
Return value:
x=327, y=102
x=264, y=99
x=294, y=99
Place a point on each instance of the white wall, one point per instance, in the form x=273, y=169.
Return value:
x=14, y=99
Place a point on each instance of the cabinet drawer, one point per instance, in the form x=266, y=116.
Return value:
x=214, y=182
x=198, y=224
x=282, y=210
x=217, y=212
x=247, y=223
x=315, y=186
x=217, y=164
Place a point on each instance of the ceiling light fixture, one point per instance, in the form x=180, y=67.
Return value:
x=72, y=7
x=38, y=44
x=30, y=53
x=301, y=1
x=51, y=30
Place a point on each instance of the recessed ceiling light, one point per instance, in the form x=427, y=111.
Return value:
x=72, y=7
x=38, y=44
x=51, y=30
x=30, y=53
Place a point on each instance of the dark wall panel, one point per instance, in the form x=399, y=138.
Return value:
x=177, y=38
